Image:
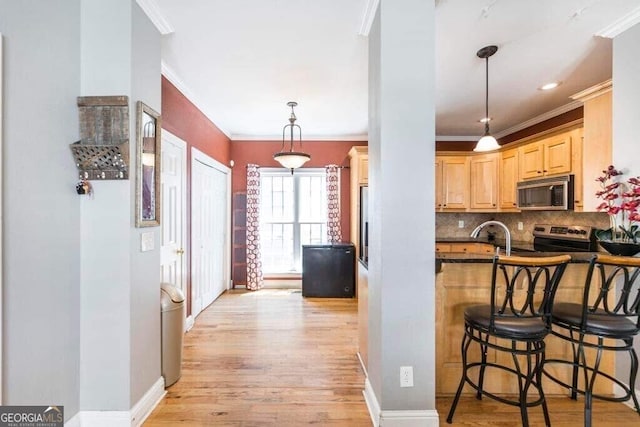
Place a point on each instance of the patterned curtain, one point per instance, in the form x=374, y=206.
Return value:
x=254, y=263
x=334, y=233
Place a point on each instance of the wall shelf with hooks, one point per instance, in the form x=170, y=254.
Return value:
x=103, y=149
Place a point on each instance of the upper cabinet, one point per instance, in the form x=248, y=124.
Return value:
x=452, y=183
x=547, y=157
x=359, y=170
x=508, y=178
x=597, y=141
x=360, y=164
x=484, y=182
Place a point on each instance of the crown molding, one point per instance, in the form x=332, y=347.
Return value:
x=446, y=138
x=593, y=91
x=539, y=119
x=152, y=10
x=269, y=138
x=367, y=19
x=621, y=25
x=175, y=80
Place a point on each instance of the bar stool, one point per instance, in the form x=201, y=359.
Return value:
x=516, y=320
x=610, y=310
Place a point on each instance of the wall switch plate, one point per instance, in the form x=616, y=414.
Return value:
x=460, y=224
x=406, y=376
x=147, y=241
x=520, y=226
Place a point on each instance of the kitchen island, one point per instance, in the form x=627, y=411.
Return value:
x=464, y=279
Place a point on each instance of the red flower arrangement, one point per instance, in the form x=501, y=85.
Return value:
x=620, y=200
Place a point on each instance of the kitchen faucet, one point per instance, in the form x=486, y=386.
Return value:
x=507, y=234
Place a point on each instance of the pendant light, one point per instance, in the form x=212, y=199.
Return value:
x=487, y=142
x=291, y=159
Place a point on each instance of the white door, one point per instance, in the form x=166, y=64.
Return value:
x=174, y=207
x=210, y=204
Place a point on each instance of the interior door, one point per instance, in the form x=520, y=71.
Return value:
x=209, y=231
x=174, y=207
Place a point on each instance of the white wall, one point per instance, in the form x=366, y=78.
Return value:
x=41, y=208
x=145, y=266
x=81, y=302
x=120, y=284
x=401, y=257
x=626, y=127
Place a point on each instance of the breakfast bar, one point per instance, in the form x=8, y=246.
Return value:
x=464, y=278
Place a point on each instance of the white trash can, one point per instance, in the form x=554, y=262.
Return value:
x=172, y=327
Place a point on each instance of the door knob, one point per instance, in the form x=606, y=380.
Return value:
x=180, y=251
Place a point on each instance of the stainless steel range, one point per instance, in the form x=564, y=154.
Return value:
x=564, y=238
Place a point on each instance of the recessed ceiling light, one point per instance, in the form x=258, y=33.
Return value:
x=485, y=120
x=549, y=86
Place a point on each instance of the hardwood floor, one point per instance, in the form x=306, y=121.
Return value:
x=269, y=358
x=273, y=358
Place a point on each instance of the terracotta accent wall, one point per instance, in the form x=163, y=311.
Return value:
x=322, y=153
x=183, y=119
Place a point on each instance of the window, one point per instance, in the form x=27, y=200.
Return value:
x=293, y=212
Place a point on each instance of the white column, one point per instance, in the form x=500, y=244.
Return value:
x=402, y=252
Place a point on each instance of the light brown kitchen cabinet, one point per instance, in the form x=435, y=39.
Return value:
x=547, y=157
x=508, y=177
x=484, y=182
x=452, y=183
x=465, y=247
x=597, y=141
x=577, y=142
x=358, y=166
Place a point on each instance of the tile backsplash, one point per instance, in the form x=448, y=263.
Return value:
x=447, y=223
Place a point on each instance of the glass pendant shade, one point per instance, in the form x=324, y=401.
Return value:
x=487, y=143
x=288, y=158
x=291, y=159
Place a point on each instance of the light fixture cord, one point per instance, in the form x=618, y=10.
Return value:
x=486, y=99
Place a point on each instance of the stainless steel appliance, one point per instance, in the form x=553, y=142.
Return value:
x=548, y=194
x=564, y=238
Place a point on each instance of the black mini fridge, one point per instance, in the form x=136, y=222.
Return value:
x=328, y=271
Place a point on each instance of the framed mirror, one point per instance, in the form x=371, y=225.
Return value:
x=147, y=166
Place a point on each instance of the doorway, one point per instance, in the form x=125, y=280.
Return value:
x=173, y=179
x=210, y=225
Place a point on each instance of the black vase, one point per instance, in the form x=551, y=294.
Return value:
x=620, y=248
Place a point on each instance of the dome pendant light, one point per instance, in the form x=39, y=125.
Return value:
x=487, y=142
x=291, y=159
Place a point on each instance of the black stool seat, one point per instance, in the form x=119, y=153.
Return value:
x=520, y=328
x=598, y=322
x=519, y=316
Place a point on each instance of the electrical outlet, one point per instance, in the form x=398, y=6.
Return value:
x=520, y=226
x=406, y=376
x=460, y=224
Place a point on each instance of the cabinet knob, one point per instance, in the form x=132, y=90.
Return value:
x=539, y=171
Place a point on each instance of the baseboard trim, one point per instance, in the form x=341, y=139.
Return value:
x=134, y=417
x=372, y=403
x=410, y=418
x=189, y=324
x=406, y=418
x=364, y=368
x=147, y=403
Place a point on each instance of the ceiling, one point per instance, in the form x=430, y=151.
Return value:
x=240, y=61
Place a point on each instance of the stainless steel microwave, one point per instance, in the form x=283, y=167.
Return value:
x=548, y=194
